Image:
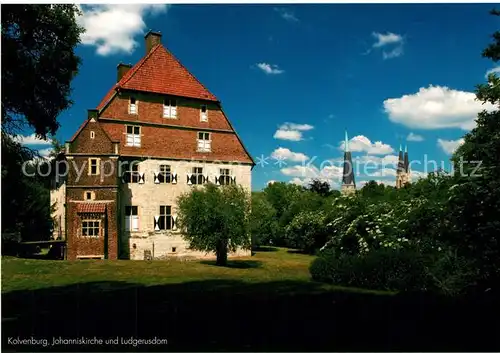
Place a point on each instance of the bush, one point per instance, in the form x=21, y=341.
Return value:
x=307, y=231
x=382, y=269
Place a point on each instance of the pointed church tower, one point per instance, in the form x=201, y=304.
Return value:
x=348, y=183
x=402, y=171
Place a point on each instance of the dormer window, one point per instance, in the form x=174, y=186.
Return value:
x=132, y=107
x=133, y=136
x=92, y=135
x=170, y=108
x=203, y=113
x=204, y=142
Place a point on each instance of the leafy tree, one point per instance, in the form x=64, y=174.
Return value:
x=475, y=199
x=38, y=64
x=280, y=195
x=263, y=221
x=216, y=219
x=320, y=187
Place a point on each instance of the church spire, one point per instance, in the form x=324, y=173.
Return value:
x=348, y=183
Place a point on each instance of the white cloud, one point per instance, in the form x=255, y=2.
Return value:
x=112, y=28
x=394, y=53
x=383, y=172
x=495, y=70
x=285, y=154
x=449, y=146
x=435, y=107
x=292, y=131
x=270, y=69
x=45, y=152
x=328, y=172
x=388, y=160
x=391, y=40
x=414, y=137
x=385, y=39
x=31, y=140
x=362, y=143
x=286, y=14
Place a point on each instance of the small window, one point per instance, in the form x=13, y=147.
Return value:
x=131, y=174
x=197, y=177
x=203, y=113
x=170, y=108
x=91, y=228
x=93, y=166
x=174, y=249
x=132, y=109
x=166, y=221
x=133, y=136
x=89, y=195
x=225, y=177
x=92, y=135
x=131, y=219
x=165, y=174
x=204, y=142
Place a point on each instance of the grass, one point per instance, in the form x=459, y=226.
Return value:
x=266, y=302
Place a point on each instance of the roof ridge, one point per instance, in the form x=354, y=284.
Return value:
x=189, y=72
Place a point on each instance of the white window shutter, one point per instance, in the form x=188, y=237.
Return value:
x=135, y=223
x=157, y=222
x=173, y=112
x=156, y=178
x=174, y=219
x=189, y=178
x=174, y=178
x=141, y=178
x=130, y=139
x=201, y=145
x=208, y=145
x=127, y=223
x=203, y=116
x=205, y=176
x=233, y=180
x=166, y=111
x=217, y=180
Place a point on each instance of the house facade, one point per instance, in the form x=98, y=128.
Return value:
x=156, y=134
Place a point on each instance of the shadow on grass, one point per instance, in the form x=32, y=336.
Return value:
x=227, y=315
x=296, y=251
x=241, y=264
x=265, y=249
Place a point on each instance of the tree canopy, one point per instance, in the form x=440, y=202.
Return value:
x=38, y=65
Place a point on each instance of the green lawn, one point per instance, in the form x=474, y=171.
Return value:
x=264, y=302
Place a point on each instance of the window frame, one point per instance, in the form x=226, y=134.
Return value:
x=168, y=108
x=134, y=136
x=132, y=174
x=204, y=115
x=86, y=227
x=205, y=141
x=135, y=105
x=97, y=166
x=166, y=220
x=130, y=216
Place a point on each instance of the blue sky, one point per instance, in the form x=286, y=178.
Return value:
x=292, y=78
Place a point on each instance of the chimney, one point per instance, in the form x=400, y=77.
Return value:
x=122, y=69
x=152, y=39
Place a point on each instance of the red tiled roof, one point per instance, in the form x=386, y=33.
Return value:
x=160, y=72
x=91, y=207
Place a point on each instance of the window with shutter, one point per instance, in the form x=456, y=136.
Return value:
x=203, y=113
x=197, y=177
x=169, y=108
x=204, y=142
x=133, y=136
x=132, y=175
x=225, y=176
x=165, y=221
x=132, y=108
x=165, y=174
x=131, y=219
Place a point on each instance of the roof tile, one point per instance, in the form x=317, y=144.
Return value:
x=91, y=207
x=161, y=72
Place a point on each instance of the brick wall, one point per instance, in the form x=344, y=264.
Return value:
x=150, y=109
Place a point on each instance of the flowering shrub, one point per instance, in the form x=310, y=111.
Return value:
x=307, y=231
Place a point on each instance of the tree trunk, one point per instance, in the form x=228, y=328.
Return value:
x=221, y=253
